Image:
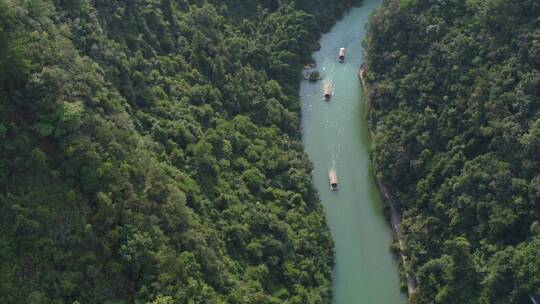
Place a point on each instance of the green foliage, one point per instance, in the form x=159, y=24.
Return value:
x=13, y=64
x=315, y=75
x=455, y=106
x=150, y=152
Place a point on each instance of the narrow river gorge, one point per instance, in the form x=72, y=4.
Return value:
x=335, y=135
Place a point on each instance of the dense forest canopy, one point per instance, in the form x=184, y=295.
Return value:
x=150, y=152
x=455, y=103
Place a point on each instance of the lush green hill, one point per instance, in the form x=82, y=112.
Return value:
x=455, y=103
x=150, y=152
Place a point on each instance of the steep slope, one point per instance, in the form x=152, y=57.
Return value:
x=455, y=104
x=150, y=153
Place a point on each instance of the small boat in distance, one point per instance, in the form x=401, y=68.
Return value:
x=341, y=56
x=327, y=91
x=332, y=177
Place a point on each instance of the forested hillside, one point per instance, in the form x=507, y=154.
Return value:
x=150, y=152
x=455, y=104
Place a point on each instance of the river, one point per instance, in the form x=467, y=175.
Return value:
x=335, y=134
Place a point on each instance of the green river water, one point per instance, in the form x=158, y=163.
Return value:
x=335, y=135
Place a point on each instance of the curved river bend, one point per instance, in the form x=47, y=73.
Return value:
x=335, y=135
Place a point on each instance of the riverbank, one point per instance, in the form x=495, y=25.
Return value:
x=395, y=219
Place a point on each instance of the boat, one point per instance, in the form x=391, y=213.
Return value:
x=327, y=91
x=341, y=55
x=310, y=65
x=332, y=177
x=312, y=76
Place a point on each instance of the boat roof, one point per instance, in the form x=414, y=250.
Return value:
x=333, y=176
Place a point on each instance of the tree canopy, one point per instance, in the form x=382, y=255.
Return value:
x=150, y=152
x=455, y=105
